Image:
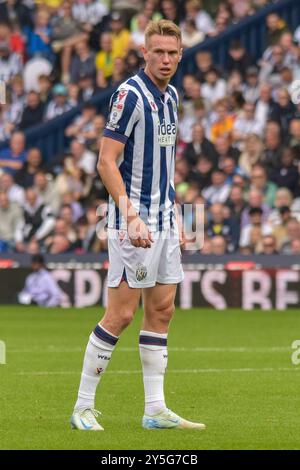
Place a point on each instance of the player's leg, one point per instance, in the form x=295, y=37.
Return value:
x=158, y=304
x=122, y=304
x=158, y=312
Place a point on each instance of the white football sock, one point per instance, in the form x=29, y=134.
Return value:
x=97, y=356
x=154, y=358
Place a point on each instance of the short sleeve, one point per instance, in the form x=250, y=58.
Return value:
x=123, y=114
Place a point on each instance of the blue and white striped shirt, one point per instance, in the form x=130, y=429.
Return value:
x=146, y=121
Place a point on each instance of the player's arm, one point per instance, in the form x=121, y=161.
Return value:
x=110, y=150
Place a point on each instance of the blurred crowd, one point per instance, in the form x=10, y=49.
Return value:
x=238, y=150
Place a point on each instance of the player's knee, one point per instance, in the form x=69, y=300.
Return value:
x=165, y=312
x=126, y=316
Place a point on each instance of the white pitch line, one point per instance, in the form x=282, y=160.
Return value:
x=170, y=349
x=174, y=371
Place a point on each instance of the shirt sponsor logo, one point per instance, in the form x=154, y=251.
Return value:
x=166, y=134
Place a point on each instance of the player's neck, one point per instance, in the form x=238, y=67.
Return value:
x=160, y=84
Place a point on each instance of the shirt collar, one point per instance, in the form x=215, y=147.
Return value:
x=150, y=85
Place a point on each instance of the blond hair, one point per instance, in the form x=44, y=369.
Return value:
x=162, y=28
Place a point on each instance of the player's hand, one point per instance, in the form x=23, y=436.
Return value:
x=182, y=239
x=139, y=234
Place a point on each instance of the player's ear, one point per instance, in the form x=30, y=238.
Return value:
x=143, y=50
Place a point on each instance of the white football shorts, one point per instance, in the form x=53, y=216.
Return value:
x=144, y=267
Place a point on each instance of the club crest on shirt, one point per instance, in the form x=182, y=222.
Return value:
x=141, y=272
x=152, y=103
x=153, y=106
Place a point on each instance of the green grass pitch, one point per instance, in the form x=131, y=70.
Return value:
x=230, y=369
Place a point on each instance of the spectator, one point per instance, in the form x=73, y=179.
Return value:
x=83, y=123
x=60, y=244
x=33, y=112
x=245, y=125
x=13, y=158
x=170, y=11
x=251, y=86
x=280, y=230
x=214, y=87
x=284, y=110
x=218, y=225
x=276, y=26
x=264, y=105
x=66, y=32
x=273, y=146
x=236, y=204
x=10, y=62
x=11, y=218
x=204, y=63
x=149, y=11
x=83, y=62
x=219, y=190
x=120, y=35
x=14, y=192
x=293, y=233
x=199, y=146
x=90, y=13
x=83, y=158
x=12, y=37
x=59, y=104
x=294, y=133
x=44, y=186
x=269, y=245
x=230, y=168
x=238, y=58
x=61, y=228
x=271, y=68
x=105, y=57
x=38, y=220
x=252, y=233
x=25, y=176
x=39, y=37
x=190, y=34
x=218, y=245
x=18, y=99
x=137, y=37
x=45, y=89
x=251, y=154
x=223, y=126
x=287, y=174
x=195, y=10
x=259, y=180
x=255, y=200
x=90, y=239
x=224, y=149
x=283, y=198
x=295, y=246
x=202, y=172
x=40, y=287
x=73, y=180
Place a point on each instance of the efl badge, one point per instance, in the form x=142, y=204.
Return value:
x=122, y=94
x=141, y=272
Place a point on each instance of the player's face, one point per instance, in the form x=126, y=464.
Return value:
x=162, y=54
